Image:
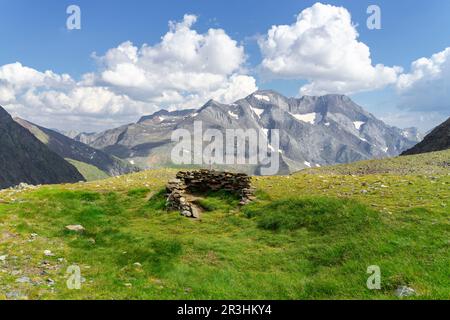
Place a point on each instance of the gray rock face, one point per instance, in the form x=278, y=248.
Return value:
x=314, y=131
x=83, y=137
x=23, y=158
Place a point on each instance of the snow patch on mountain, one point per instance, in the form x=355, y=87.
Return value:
x=358, y=124
x=233, y=115
x=262, y=97
x=307, y=117
x=257, y=111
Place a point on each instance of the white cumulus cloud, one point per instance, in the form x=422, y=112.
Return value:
x=322, y=47
x=183, y=70
x=427, y=86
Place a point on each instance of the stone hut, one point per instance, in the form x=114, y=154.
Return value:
x=188, y=183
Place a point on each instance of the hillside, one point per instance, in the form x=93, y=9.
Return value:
x=80, y=153
x=434, y=163
x=23, y=158
x=307, y=236
x=314, y=131
x=437, y=140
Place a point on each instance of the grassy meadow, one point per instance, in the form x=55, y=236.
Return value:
x=311, y=235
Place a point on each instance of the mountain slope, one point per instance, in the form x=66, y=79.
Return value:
x=23, y=158
x=314, y=131
x=75, y=150
x=430, y=164
x=438, y=139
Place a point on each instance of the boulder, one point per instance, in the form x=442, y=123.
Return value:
x=75, y=228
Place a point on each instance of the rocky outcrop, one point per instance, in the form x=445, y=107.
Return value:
x=187, y=184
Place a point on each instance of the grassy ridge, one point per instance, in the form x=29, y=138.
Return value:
x=307, y=236
x=88, y=171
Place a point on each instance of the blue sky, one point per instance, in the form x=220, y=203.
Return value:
x=34, y=33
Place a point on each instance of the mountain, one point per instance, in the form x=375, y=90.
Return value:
x=23, y=158
x=314, y=131
x=84, y=137
x=79, y=152
x=71, y=133
x=436, y=140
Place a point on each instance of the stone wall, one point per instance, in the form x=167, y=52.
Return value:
x=180, y=191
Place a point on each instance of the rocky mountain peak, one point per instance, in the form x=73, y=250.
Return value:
x=165, y=114
x=314, y=131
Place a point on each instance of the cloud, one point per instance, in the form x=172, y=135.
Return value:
x=183, y=70
x=427, y=86
x=423, y=120
x=322, y=47
x=52, y=98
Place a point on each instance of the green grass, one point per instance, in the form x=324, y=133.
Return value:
x=308, y=236
x=218, y=201
x=88, y=171
x=316, y=214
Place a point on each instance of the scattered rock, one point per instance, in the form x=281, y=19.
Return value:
x=48, y=253
x=186, y=213
x=50, y=282
x=23, y=280
x=22, y=186
x=3, y=258
x=187, y=290
x=404, y=291
x=75, y=228
x=16, y=295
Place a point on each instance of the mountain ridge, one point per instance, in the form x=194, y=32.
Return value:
x=314, y=131
x=438, y=139
x=23, y=158
x=68, y=148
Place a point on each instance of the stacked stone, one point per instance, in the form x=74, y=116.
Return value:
x=176, y=199
x=205, y=180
